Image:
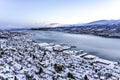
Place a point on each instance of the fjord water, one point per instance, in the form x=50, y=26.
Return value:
x=106, y=48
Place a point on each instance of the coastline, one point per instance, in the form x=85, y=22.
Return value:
x=23, y=58
x=106, y=34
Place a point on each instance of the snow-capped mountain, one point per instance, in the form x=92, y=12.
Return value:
x=104, y=22
x=106, y=28
x=8, y=25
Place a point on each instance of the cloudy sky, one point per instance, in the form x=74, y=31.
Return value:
x=58, y=11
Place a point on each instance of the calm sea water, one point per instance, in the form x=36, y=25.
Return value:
x=106, y=48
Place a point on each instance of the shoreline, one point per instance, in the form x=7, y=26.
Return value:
x=95, y=33
x=23, y=58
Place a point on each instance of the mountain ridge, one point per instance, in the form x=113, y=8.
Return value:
x=105, y=28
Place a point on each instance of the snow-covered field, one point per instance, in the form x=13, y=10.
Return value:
x=24, y=59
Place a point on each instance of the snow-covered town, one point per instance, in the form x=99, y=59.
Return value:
x=22, y=58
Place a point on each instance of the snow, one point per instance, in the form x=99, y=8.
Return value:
x=104, y=28
x=89, y=57
x=43, y=44
x=104, y=22
x=24, y=59
x=107, y=62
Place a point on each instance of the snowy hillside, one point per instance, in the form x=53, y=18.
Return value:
x=104, y=22
x=105, y=28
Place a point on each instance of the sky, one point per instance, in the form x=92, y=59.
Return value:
x=58, y=11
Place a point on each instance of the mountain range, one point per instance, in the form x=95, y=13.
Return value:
x=105, y=28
